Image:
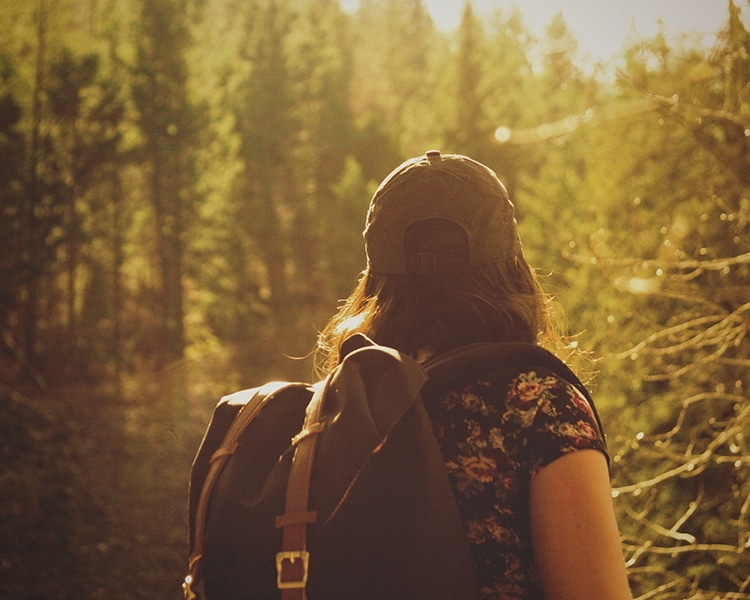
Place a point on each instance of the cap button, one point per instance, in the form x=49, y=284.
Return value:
x=433, y=156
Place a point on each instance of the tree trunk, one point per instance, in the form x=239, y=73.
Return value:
x=29, y=256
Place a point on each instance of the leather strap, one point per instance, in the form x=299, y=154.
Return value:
x=293, y=560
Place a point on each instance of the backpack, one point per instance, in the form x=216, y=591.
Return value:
x=337, y=490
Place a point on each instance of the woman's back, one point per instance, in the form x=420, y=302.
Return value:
x=496, y=431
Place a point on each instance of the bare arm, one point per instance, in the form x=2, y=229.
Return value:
x=574, y=532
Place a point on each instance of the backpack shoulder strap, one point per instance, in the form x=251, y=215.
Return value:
x=293, y=560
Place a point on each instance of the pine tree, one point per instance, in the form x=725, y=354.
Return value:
x=168, y=124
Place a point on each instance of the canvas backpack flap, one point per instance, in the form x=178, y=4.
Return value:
x=369, y=392
x=388, y=525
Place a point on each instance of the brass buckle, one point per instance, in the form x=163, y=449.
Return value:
x=290, y=558
x=187, y=588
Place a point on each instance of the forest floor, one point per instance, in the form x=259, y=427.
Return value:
x=93, y=493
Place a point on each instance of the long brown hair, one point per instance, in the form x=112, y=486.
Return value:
x=499, y=302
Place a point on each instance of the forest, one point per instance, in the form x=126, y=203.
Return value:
x=183, y=187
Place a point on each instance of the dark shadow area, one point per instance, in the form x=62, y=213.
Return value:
x=93, y=495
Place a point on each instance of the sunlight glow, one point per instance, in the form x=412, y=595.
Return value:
x=502, y=134
x=601, y=28
x=638, y=285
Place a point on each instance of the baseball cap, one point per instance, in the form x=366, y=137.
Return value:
x=439, y=214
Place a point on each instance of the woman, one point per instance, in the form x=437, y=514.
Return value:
x=526, y=461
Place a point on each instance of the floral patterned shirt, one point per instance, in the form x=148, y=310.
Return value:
x=495, y=434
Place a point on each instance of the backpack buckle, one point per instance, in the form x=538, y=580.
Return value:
x=291, y=569
x=187, y=588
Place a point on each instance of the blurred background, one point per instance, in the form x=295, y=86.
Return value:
x=183, y=185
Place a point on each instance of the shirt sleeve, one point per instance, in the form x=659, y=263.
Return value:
x=555, y=417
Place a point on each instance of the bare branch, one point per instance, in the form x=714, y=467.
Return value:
x=695, y=464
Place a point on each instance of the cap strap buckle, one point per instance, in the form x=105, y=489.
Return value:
x=426, y=263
